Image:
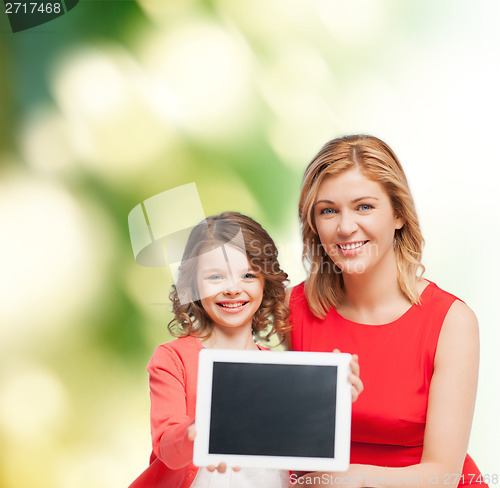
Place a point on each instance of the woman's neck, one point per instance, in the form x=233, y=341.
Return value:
x=374, y=297
x=225, y=338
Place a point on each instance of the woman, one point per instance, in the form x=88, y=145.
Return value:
x=417, y=344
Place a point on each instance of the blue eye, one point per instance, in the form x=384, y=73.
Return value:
x=365, y=206
x=327, y=211
x=215, y=277
x=249, y=276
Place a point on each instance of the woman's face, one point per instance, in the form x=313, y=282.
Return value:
x=355, y=222
x=230, y=290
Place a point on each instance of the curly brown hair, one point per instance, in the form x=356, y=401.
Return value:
x=243, y=232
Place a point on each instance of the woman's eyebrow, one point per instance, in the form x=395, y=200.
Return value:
x=324, y=201
x=364, y=198
x=331, y=202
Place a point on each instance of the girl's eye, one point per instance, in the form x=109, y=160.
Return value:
x=327, y=211
x=249, y=276
x=214, y=277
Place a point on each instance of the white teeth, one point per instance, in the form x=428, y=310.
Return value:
x=346, y=247
x=232, y=305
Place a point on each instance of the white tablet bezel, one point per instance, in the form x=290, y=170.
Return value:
x=207, y=358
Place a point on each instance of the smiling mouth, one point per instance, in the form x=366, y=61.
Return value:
x=232, y=305
x=349, y=248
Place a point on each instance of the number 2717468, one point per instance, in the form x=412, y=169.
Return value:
x=33, y=8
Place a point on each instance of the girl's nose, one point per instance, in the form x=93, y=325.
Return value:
x=234, y=288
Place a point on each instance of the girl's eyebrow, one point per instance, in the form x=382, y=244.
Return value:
x=212, y=270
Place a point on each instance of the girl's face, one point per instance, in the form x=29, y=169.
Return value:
x=355, y=221
x=230, y=290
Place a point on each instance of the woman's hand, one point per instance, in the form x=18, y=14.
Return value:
x=357, y=384
x=221, y=468
x=345, y=479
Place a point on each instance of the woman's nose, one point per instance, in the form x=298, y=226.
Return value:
x=347, y=224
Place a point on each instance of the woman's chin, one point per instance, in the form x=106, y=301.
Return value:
x=352, y=268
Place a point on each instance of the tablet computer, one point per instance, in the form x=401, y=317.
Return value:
x=283, y=410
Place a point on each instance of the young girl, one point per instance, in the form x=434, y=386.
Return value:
x=230, y=290
x=418, y=344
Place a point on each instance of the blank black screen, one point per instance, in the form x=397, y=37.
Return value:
x=273, y=410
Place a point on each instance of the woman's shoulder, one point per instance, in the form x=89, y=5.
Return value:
x=454, y=310
x=296, y=293
x=431, y=293
x=459, y=313
x=297, y=302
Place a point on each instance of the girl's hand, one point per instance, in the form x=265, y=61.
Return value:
x=191, y=432
x=221, y=468
x=357, y=384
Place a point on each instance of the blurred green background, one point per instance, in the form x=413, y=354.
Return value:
x=117, y=101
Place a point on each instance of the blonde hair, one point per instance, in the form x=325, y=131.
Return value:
x=272, y=316
x=377, y=161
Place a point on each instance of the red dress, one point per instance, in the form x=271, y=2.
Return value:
x=397, y=360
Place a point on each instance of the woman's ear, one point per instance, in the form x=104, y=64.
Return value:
x=399, y=222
